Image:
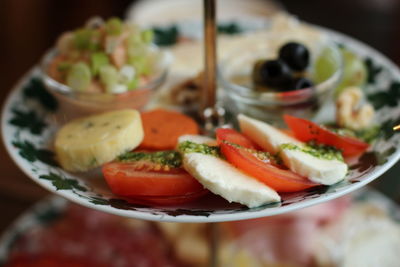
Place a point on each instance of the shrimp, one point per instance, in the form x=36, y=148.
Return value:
x=350, y=113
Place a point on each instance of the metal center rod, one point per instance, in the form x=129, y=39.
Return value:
x=208, y=111
x=210, y=55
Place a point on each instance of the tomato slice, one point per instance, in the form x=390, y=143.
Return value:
x=306, y=130
x=234, y=137
x=142, y=179
x=168, y=200
x=279, y=179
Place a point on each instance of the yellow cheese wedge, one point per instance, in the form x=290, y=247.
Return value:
x=89, y=142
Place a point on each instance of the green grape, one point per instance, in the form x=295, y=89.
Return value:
x=133, y=84
x=137, y=50
x=114, y=26
x=326, y=64
x=147, y=36
x=108, y=77
x=79, y=77
x=87, y=39
x=97, y=61
x=127, y=77
x=138, y=57
x=354, y=71
x=141, y=65
x=82, y=38
x=95, y=41
x=134, y=40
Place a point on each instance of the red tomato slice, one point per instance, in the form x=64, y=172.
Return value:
x=234, y=137
x=306, y=130
x=136, y=179
x=167, y=200
x=279, y=179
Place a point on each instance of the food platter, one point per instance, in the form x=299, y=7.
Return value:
x=29, y=125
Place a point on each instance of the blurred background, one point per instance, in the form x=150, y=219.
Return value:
x=29, y=28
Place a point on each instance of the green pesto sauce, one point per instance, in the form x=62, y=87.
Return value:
x=368, y=135
x=343, y=131
x=317, y=150
x=191, y=147
x=169, y=158
x=261, y=155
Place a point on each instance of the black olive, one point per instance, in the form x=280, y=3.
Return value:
x=272, y=73
x=300, y=83
x=296, y=56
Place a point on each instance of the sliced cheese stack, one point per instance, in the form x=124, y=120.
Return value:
x=89, y=142
x=317, y=169
x=223, y=179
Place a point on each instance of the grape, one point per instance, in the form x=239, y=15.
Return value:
x=97, y=61
x=147, y=36
x=354, y=71
x=326, y=64
x=86, y=39
x=114, y=26
x=127, y=77
x=140, y=54
x=79, y=77
x=136, y=51
x=133, y=84
x=108, y=77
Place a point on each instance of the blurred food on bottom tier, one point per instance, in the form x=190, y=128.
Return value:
x=343, y=232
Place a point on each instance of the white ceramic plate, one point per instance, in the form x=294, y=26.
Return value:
x=28, y=127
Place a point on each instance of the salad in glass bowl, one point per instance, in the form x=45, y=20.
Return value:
x=103, y=66
x=297, y=81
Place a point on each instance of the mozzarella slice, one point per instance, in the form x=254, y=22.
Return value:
x=89, y=142
x=223, y=179
x=318, y=170
x=198, y=139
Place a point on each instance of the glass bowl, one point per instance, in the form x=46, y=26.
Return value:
x=73, y=104
x=239, y=95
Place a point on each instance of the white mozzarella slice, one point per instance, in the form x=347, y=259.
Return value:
x=223, y=179
x=318, y=170
x=198, y=139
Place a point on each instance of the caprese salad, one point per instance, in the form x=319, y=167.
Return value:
x=158, y=157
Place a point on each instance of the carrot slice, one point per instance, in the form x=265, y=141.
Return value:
x=163, y=127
